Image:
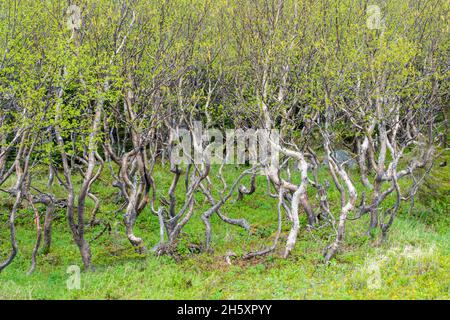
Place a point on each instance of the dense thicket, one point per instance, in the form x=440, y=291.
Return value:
x=103, y=94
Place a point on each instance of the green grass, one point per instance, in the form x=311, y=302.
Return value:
x=413, y=264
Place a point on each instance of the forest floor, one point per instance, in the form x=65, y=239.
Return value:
x=414, y=262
